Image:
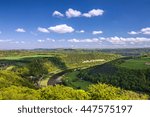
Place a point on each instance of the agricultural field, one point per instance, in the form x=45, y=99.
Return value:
x=137, y=63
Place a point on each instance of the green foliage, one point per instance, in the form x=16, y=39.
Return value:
x=37, y=68
x=58, y=62
x=18, y=65
x=71, y=79
x=77, y=58
x=20, y=70
x=8, y=79
x=111, y=73
x=59, y=92
x=108, y=92
x=19, y=93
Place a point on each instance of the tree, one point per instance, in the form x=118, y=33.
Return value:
x=108, y=92
x=37, y=69
x=19, y=93
x=60, y=92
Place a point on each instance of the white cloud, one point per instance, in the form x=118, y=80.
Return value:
x=22, y=42
x=97, y=32
x=41, y=40
x=44, y=30
x=80, y=31
x=17, y=42
x=93, y=13
x=87, y=15
x=133, y=33
x=93, y=40
x=46, y=40
x=73, y=13
x=63, y=28
x=51, y=40
x=57, y=13
x=145, y=31
x=20, y=30
x=7, y=40
x=122, y=40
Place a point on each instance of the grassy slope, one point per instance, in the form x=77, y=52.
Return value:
x=71, y=79
x=136, y=63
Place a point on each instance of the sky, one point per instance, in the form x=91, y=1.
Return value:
x=30, y=24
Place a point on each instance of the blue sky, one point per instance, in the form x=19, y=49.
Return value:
x=29, y=24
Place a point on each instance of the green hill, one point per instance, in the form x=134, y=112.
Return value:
x=113, y=73
x=8, y=79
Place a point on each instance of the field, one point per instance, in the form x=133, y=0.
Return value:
x=24, y=57
x=71, y=79
x=137, y=63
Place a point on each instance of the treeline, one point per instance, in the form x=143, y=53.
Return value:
x=76, y=59
x=130, y=79
x=71, y=58
x=9, y=53
x=60, y=92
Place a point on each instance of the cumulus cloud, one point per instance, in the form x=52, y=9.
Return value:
x=7, y=40
x=145, y=31
x=80, y=31
x=51, y=40
x=76, y=13
x=63, y=28
x=41, y=40
x=84, y=40
x=58, y=14
x=93, y=13
x=97, y=32
x=133, y=33
x=46, y=40
x=17, y=42
x=20, y=30
x=73, y=13
x=44, y=30
x=120, y=41
x=22, y=42
x=123, y=40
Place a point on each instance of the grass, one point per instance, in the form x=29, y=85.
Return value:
x=22, y=57
x=72, y=80
x=136, y=63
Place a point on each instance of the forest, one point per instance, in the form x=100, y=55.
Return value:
x=75, y=74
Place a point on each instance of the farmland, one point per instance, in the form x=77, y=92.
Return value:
x=137, y=63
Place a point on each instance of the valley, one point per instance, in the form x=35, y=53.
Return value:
x=75, y=74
